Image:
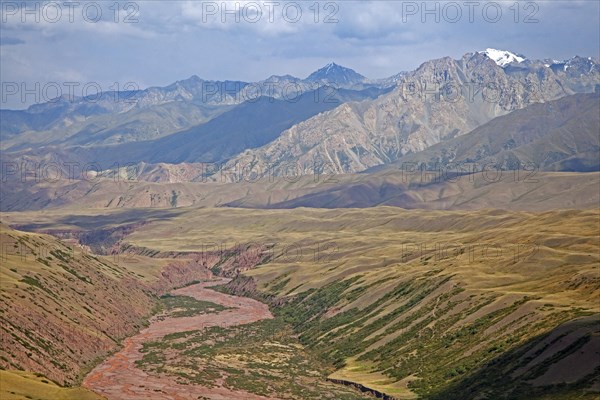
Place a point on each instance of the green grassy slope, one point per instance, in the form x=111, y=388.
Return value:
x=421, y=303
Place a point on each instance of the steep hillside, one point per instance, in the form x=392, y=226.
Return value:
x=248, y=125
x=62, y=306
x=106, y=128
x=560, y=135
x=402, y=302
x=442, y=99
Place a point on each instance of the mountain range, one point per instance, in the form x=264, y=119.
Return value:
x=441, y=100
x=335, y=121
x=460, y=94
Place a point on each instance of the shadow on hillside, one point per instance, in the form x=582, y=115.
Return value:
x=104, y=221
x=562, y=364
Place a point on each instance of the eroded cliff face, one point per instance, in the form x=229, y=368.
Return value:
x=223, y=260
x=186, y=267
x=245, y=286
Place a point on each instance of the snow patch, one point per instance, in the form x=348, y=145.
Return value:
x=502, y=57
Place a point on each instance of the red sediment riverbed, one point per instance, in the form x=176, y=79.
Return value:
x=118, y=377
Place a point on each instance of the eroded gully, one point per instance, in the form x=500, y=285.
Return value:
x=118, y=377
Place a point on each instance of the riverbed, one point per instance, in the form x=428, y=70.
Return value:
x=118, y=377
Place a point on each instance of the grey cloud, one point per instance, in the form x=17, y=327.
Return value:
x=10, y=41
x=167, y=45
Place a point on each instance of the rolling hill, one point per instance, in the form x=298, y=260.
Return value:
x=408, y=302
x=424, y=302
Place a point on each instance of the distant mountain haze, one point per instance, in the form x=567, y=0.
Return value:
x=335, y=121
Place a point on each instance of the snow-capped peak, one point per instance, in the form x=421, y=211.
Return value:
x=330, y=66
x=502, y=57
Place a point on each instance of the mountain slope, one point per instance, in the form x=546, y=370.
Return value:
x=248, y=125
x=113, y=128
x=137, y=115
x=560, y=135
x=62, y=307
x=58, y=119
x=442, y=99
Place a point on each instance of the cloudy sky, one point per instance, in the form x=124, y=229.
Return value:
x=154, y=43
